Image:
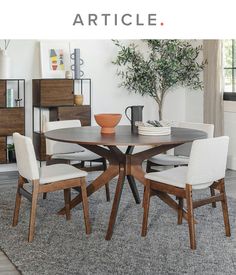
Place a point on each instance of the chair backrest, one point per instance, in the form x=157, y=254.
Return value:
x=25, y=157
x=185, y=149
x=56, y=147
x=207, y=161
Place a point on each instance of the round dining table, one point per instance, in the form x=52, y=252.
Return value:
x=123, y=163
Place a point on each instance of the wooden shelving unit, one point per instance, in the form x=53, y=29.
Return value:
x=12, y=119
x=56, y=97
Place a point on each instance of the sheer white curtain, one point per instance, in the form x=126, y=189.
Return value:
x=213, y=85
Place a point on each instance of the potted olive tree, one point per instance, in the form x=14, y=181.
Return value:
x=166, y=64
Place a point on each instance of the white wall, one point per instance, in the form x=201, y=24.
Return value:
x=194, y=98
x=230, y=130
x=194, y=106
x=106, y=95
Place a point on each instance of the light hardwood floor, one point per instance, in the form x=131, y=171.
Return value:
x=6, y=178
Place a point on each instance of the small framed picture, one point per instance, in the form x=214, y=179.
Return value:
x=55, y=58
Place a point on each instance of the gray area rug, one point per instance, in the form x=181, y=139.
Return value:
x=62, y=247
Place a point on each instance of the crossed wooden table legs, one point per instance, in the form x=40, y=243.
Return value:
x=122, y=165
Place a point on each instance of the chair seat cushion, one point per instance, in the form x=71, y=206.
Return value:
x=85, y=155
x=58, y=172
x=175, y=177
x=169, y=160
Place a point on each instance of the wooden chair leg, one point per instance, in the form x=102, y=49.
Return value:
x=33, y=210
x=143, y=196
x=67, y=198
x=85, y=206
x=225, y=210
x=44, y=196
x=17, y=202
x=180, y=210
x=107, y=192
x=146, y=203
x=190, y=216
x=212, y=190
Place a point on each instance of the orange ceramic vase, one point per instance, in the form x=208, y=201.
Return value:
x=107, y=122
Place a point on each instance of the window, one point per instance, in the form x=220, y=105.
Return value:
x=229, y=69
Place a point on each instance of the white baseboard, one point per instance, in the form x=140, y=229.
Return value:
x=231, y=162
x=8, y=167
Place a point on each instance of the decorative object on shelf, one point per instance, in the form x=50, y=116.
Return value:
x=11, y=153
x=10, y=97
x=78, y=99
x=136, y=116
x=168, y=64
x=55, y=58
x=68, y=75
x=77, y=63
x=4, y=61
x=18, y=101
x=107, y=122
x=4, y=65
x=6, y=43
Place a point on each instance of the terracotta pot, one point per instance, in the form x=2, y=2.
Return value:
x=78, y=99
x=107, y=122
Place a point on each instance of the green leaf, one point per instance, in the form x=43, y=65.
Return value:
x=167, y=64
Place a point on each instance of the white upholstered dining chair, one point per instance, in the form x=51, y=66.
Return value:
x=68, y=152
x=45, y=179
x=181, y=153
x=206, y=168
